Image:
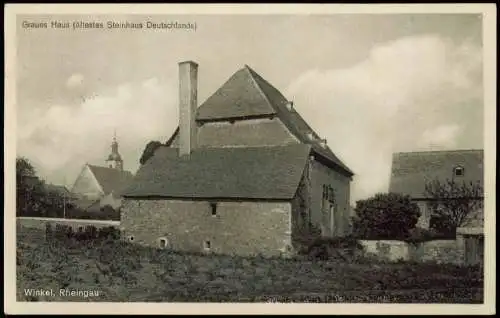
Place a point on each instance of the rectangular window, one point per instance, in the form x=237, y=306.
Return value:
x=213, y=207
x=206, y=245
x=328, y=193
x=332, y=218
x=163, y=242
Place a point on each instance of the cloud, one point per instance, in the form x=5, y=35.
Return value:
x=408, y=94
x=441, y=137
x=404, y=96
x=75, y=81
x=60, y=139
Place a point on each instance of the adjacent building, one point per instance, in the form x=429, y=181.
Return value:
x=242, y=174
x=98, y=186
x=411, y=171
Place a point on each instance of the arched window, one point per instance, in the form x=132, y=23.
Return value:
x=163, y=242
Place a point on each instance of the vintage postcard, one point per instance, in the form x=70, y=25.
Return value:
x=250, y=159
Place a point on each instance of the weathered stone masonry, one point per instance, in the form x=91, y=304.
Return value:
x=322, y=175
x=245, y=228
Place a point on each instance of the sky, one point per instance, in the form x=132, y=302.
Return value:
x=371, y=85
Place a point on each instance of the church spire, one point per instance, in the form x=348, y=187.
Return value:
x=114, y=159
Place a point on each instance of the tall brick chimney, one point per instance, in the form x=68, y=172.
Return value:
x=188, y=91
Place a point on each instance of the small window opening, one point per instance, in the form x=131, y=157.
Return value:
x=131, y=238
x=213, y=207
x=458, y=171
x=163, y=242
x=328, y=193
x=206, y=245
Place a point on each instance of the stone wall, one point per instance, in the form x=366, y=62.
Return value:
x=322, y=175
x=40, y=223
x=386, y=249
x=440, y=251
x=244, y=228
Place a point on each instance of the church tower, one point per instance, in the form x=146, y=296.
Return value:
x=114, y=159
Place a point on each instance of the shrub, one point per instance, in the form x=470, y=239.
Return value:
x=109, y=232
x=338, y=247
x=106, y=213
x=385, y=216
x=149, y=151
x=418, y=235
x=87, y=233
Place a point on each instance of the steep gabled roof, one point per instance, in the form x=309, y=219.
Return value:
x=231, y=173
x=239, y=97
x=111, y=180
x=245, y=95
x=412, y=170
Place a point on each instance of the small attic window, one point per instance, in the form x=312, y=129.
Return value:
x=310, y=136
x=458, y=171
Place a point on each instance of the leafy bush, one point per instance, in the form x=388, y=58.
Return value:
x=340, y=247
x=149, y=151
x=85, y=233
x=452, y=202
x=385, y=216
x=106, y=213
x=418, y=235
x=109, y=232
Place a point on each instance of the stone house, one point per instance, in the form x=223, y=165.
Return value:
x=97, y=186
x=242, y=174
x=411, y=171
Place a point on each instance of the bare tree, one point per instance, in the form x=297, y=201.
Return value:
x=452, y=202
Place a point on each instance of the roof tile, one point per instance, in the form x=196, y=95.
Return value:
x=412, y=170
x=235, y=173
x=247, y=94
x=110, y=179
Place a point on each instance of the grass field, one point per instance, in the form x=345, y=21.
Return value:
x=120, y=271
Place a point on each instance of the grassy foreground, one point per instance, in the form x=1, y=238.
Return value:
x=120, y=271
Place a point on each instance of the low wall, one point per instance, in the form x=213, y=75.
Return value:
x=440, y=251
x=387, y=249
x=40, y=223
